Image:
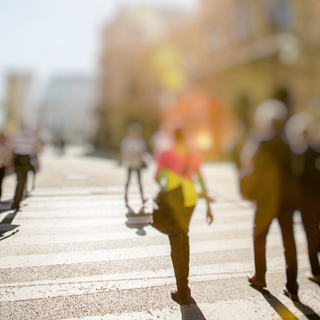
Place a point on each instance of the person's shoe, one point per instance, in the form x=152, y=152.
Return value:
x=15, y=206
x=292, y=296
x=181, y=298
x=313, y=278
x=255, y=282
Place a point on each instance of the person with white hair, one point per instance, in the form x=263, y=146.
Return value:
x=271, y=187
x=304, y=138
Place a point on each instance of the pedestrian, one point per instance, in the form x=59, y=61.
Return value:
x=25, y=146
x=132, y=148
x=161, y=140
x=273, y=189
x=304, y=137
x=5, y=156
x=176, y=170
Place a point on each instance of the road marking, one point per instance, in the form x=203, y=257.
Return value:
x=237, y=309
x=125, y=281
x=121, y=235
x=126, y=253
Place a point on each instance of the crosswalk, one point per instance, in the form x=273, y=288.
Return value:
x=75, y=258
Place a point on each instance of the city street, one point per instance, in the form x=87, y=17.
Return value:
x=69, y=254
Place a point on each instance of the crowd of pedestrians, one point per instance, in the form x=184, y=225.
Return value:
x=279, y=172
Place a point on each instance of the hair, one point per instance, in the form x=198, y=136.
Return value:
x=269, y=110
x=135, y=127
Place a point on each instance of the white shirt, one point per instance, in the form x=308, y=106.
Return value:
x=24, y=143
x=132, y=149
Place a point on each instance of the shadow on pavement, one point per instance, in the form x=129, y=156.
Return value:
x=138, y=221
x=5, y=206
x=6, y=224
x=191, y=312
x=283, y=311
x=307, y=311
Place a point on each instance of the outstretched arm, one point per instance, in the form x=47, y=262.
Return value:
x=209, y=217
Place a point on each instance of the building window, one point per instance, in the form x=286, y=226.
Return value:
x=242, y=21
x=278, y=13
x=218, y=39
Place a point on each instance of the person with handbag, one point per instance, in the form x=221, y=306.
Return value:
x=273, y=188
x=176, y=202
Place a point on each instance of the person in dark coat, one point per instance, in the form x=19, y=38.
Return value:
x=5, y=156
x=304, y=137
x=272, y=187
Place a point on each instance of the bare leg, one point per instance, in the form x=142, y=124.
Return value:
x=140, y=186
x=127, y=186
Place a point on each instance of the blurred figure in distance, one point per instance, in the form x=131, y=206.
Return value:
x=161, y=141
x=25, y=146
x=5, y=156
x=132, y=149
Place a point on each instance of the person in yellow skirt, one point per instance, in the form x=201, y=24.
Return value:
x=178, y=167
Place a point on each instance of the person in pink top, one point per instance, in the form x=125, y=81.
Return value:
x=178, y=167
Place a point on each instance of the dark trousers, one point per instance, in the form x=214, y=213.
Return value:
x=261, y=227
x=22, y=167
x=180, y=252
x=2, y=171
x=128, y=182
x=310, y=214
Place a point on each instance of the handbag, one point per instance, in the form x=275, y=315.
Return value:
x=168, y=217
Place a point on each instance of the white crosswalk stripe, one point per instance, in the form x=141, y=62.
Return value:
x=52, y=212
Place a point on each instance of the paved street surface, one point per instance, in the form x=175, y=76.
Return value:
x=75, y=258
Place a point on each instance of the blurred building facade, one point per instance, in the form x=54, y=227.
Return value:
x=248, y=51
x=241, y=51
x=69, y=108
x=17, y=100
x=129, y=90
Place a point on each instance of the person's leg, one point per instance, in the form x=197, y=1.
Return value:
x=140, y=185
x=318, y=236
x=1, y=180
x=127, y=185
x=179, y=263
x=310, y=222
x=180, y=256
x=185, y=237
x=22, y=172
x=285, y=219
x=262, y=222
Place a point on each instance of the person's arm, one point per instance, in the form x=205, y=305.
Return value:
x=161, y=171
x=209, y=216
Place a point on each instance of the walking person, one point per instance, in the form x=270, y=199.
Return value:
x=304, y=137
x=24, y=144
x=273, y=188
x=176, y=170
x=5, y=155
x=132, y=149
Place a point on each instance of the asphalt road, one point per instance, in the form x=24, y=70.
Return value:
x=74, y=256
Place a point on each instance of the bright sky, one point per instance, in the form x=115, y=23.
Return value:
x=50, y=37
